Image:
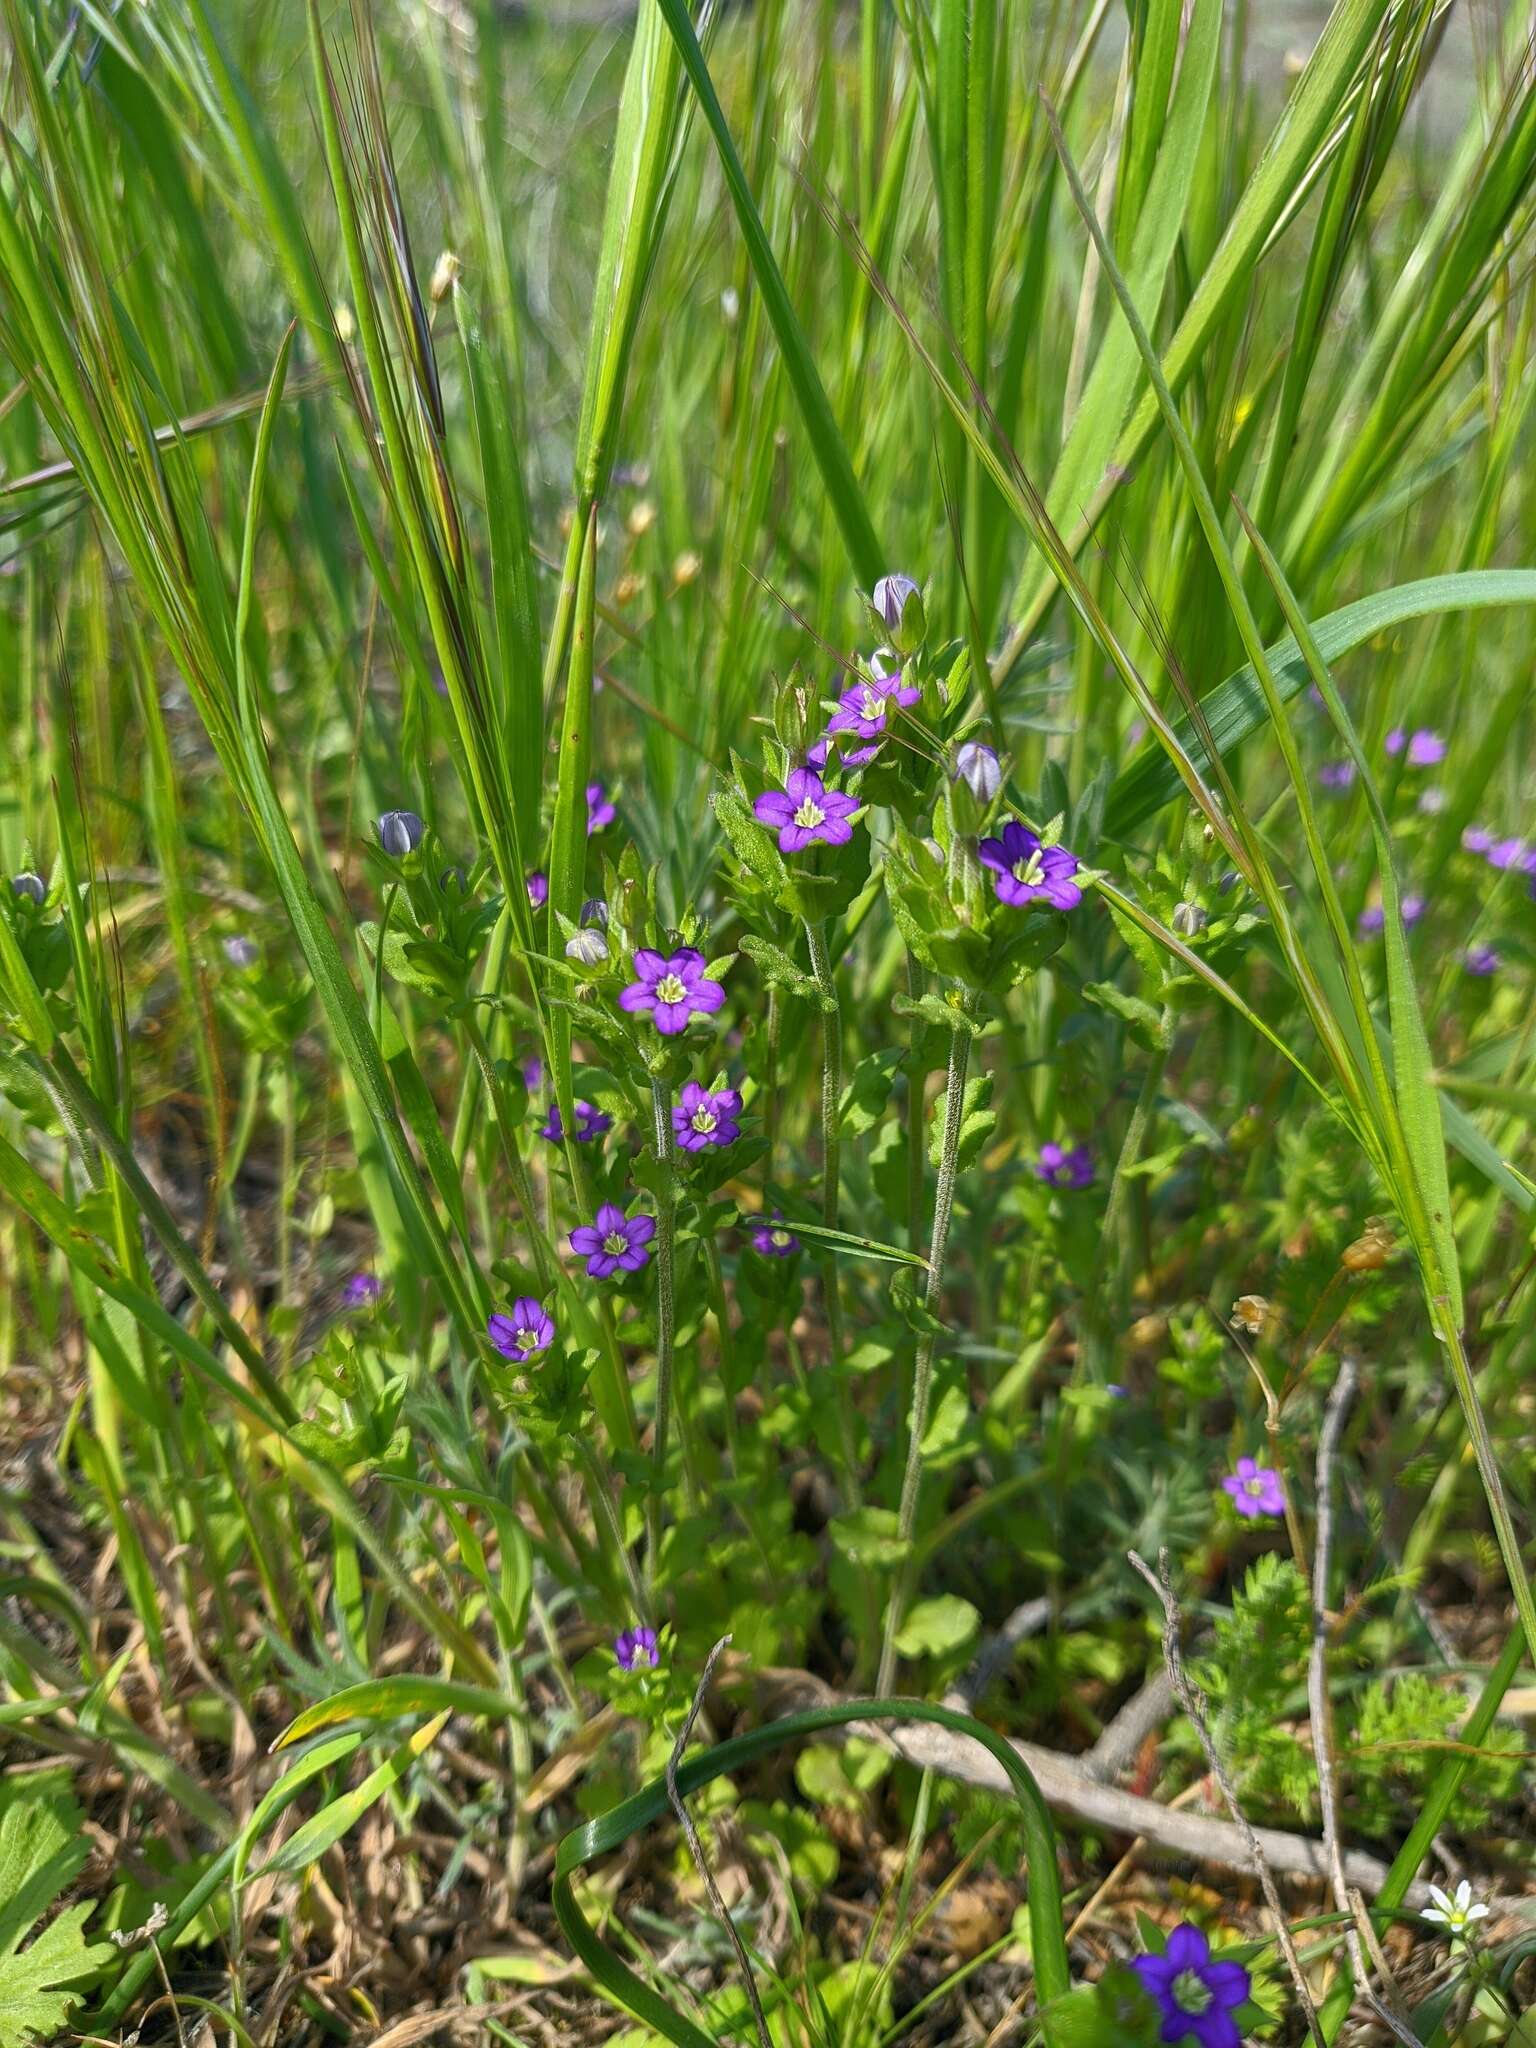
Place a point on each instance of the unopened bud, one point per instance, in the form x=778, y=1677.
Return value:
x=400, y=832
x=446, y=273
x=687, y=568
x=346, y=326
x=1189, y=919
x=896, y=610
x=977, y=766
x=241, y=951
x=33, y=887
x=588, y=946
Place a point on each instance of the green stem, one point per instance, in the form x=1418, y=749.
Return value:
x=922, y=1383
x=666, y=1312
x=831, y=1163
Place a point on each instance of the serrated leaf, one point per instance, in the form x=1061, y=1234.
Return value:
x=42, y=1847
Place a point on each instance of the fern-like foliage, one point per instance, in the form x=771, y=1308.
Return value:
x=41, y=1850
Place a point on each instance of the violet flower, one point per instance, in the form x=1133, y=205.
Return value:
x=1477, y=839
x=703, y=1118
x=523, y=1332
x=1028, y=872
x=1505, y=854
x=600, y=811
x=1336, y=775
x=805, y=810
x=1255, y=1489
x=635, y=1650
x=863, y=708
x=1196, y=1992
x=591, y=1122
x=362, y=1289
x=533, y=1072
x=1423, y=749
x=977, y=766
x=538, y=888
x=1061, y=1168
x=672, y=987
x=613, y=1241
x=31, y=886
x=896, y=605
x=240, y=951
x=772, y=1239
x=1482, y=960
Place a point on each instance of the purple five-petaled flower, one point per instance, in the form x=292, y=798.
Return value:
x=591, y=1122
x=1255, y=1489
x=613, y=1241
x=1195, y=1991
x=1424, y=748
x=863, y=708
x=805, y=810
x=1336, y=775
x=1061, y=1167
x=361, y=1289
x=770, y=1237
x=705, y=1118
x=1028, y=872
x=673, y=987
x=523, y=1332
x=600, y=811
x=1481, y=960
x=1505, y=854
x=635, y=1650
x=538, y=888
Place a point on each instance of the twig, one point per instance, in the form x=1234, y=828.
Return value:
x=1318, y=1702
x=696, y=1847
x=1026, y=1620
x=1189, y=1699
x=1142, y=1715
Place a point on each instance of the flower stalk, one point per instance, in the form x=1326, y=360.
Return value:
x=666, y=1316
x=922, y=1379
x=831, y=1168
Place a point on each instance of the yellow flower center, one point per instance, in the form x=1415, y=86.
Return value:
x=615, y=1243
x=1030, y=872
x=526, y=1339
x=1254, y=1487
x=873, y=706
x=670, y=989
x=809, y=815
x=704, y=1120
x=779, y=1237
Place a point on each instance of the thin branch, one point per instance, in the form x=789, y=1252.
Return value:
x=696, y=1847
x=1190, y=1700
x=1319, y=1705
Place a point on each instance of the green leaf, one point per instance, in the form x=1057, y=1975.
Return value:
x=385, y=1699
x=1236, y=709
x=868, y=1536
x=310, y=1842
x=42, y=1847
x=938, y=1627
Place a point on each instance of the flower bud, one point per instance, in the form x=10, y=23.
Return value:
x=1189, y=919
x=33, y=887
x=687, y=568
x=977, y=766
x=446, y=273
x=595, y=912
x=400, y=832
x=241, y=951
x=346, y=326
x=588, y=946
x=896, y=612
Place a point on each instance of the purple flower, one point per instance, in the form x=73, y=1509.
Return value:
x=361, y=1289
x=1371, y=920
x=635, y=1650
x=613, y=1240
x=1028, y=872
x=533, y=1072
x=1480, y=960
x=600, y=811
x=672, y=986
x=805, y=811
x=1504, y=854
x=1477, y=839
x=1423, y=748
x=523, y=1332
x=772, y=1239
x=591, y=1122
x=400, y=832
x=538, y=889
x=35, y=890
x=1336, y=775
x=241, y=951
x=1255, y=1489
x=1197, y=1993
x=702, y=1118
x=816, y=754
x=1060, y=1168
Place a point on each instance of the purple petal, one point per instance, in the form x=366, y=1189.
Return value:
x=1228, y=1982
x=773, y=807
x=804, y=782
x=633, y=1259
x=673, y=1017
x=793, y=837
x=601, y=1264
x=1187, y=1948
x=706, y=996
x=649, y=965
x=585, y=1239
x=636, y=997
x=609, y=1217
x=641, y=1229
x=837, y=831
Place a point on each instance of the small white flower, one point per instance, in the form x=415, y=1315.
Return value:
x=1457, y=1914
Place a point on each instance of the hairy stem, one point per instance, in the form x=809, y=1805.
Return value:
x=666, y=1314
x=922, y=1380
x=831, y=1164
